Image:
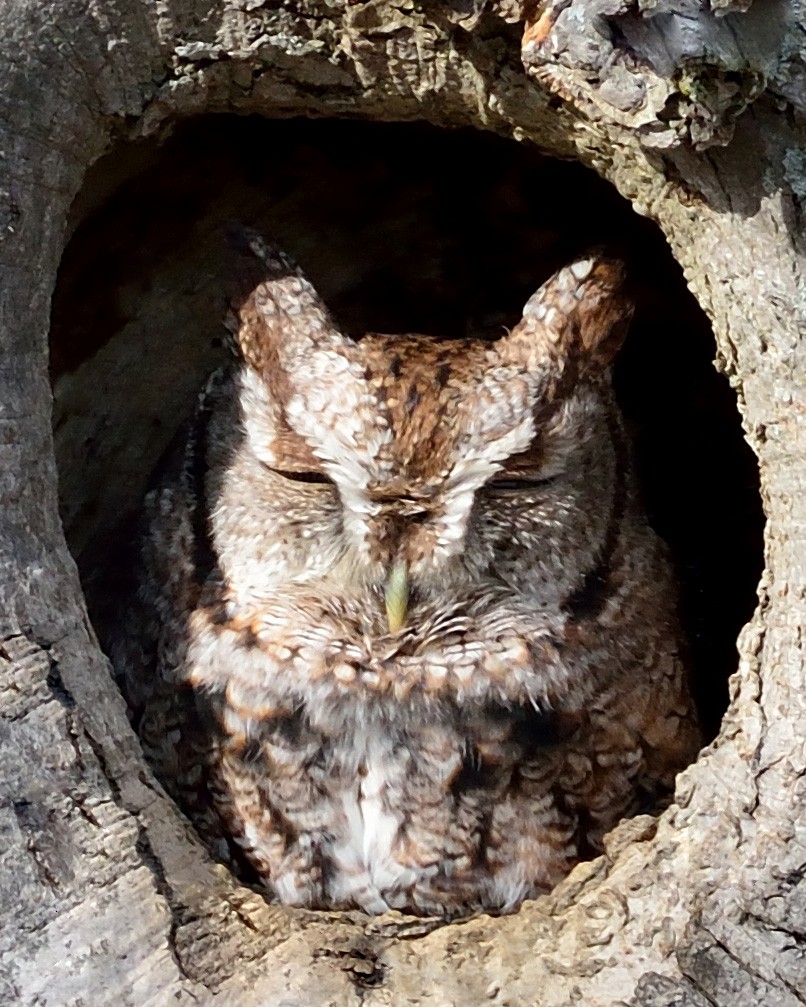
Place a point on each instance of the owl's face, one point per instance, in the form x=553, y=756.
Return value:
x=403, y=473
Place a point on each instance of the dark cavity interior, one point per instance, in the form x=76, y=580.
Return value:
x=401, y=228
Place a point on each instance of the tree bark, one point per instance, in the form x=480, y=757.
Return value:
x=695, y=113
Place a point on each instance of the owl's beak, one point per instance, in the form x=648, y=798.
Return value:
x=396, y=595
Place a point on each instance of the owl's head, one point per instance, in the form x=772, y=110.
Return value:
x=408, y=465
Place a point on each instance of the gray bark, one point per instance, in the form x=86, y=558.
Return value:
x=694, y=112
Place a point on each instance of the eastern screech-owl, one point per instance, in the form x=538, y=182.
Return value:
x=401, y=629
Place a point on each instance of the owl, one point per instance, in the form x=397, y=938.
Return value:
x=399, y=632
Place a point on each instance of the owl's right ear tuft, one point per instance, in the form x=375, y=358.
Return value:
x=268, y=260
x=278, y=317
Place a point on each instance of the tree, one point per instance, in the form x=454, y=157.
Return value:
x=693, y=112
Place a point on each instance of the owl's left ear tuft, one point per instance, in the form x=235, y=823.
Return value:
x=576, y=322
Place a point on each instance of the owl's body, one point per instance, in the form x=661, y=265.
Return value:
x=399, y=610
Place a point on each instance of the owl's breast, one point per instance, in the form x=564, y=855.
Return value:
x=393, y=815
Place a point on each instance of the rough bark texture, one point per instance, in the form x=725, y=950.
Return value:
x=694, y=112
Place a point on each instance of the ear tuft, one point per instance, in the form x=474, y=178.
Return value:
x=250, y=243
x=574, y=324
x=581, y=268
x=280, y=316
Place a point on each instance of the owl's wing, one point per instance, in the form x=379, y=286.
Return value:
x=170, y=559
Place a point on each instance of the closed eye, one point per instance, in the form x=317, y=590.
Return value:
x=301, y=477
x=505, y=483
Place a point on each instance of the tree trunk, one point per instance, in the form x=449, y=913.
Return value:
x=694, y=113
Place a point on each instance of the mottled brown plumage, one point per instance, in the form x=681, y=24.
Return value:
x=399, y=611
